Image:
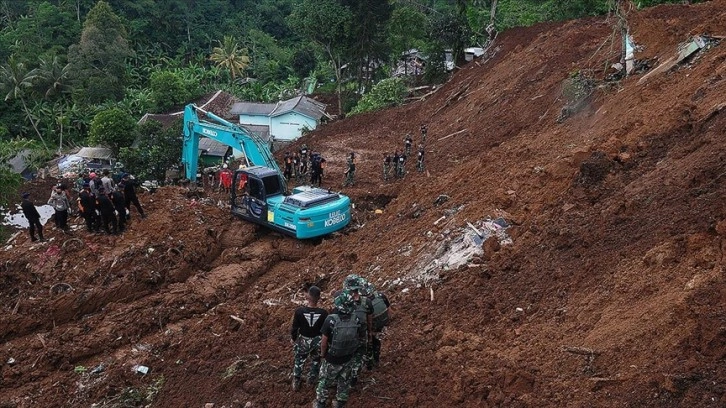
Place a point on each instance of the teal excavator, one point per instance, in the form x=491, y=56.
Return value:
x=259, y=191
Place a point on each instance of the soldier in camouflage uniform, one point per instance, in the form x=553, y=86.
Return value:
x=386, y=166
x=364, y=312
x=341, y=332
x=381, y=317
x=350, y=172
x=420, y=159
x=306, y=324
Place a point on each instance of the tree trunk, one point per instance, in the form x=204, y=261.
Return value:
x=30, y=118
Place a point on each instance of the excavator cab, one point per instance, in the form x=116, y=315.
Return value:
x=252, y=188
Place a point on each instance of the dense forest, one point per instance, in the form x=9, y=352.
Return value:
x=69, y=65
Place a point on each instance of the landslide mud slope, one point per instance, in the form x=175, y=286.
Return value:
x=611, y=293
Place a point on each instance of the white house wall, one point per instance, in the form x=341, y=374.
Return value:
x=285, y=127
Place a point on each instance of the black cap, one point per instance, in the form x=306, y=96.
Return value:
x=314, y=292
x=26, y=195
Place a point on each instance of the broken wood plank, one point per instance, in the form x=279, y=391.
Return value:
x=475, y=229
x=453, y=134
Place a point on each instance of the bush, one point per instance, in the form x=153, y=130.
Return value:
x=387, y=93
x=113, y=128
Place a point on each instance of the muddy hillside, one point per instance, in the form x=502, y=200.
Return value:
x=563, y=247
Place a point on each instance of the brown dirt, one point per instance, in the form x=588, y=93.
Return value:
x=618, y=244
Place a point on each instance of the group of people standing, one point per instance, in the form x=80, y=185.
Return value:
x=397, y=161
x=101, y=202
x=302, y=163
x=338, y=343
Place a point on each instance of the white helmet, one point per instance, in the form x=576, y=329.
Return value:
x=224, y=166
x=241, y=166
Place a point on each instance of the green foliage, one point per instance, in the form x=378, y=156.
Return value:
x=230, y=56
x=387, y=93
x=167, y=90
x=113, y=128
x=406, y=29
x=303, y=61
x=158, y=149
x=9, y=180
x=98, y=60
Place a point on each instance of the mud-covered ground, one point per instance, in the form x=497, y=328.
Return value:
x=607, y=289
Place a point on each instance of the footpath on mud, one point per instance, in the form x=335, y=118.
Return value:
x=546, y=257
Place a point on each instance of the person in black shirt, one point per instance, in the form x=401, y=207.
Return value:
x=119, y=203
x=341, y=337
x=87, y=208
x=105, y=207
x=31, y=213
x=130, y=196
x=306, y=325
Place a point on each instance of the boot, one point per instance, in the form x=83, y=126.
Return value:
x=353, y=381
x=339, y=404
x=318, y=404
x=295, y=383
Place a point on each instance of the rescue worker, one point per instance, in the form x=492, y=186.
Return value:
x=408, y=144
x=33, y=217
x=424, y=131
x=420, y=159
x=306, y=324
x=304, y=159
x=105, y=207
x=288, y=166
x=364, y=312
x=317, y=166
x=87, y=208
x=381, y=317
x=396, y=161
x=295, y=165
x=130, y=196
x=95, y=183
x=340, y=338
x=386, y=166
x=60, y=203
x=119, y=204
x=350, y=171
x=401, y=166
x=225, y=178
x=107, y=182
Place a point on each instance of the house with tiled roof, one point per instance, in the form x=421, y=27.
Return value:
x=283, y=121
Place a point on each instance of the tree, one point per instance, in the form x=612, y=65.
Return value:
x=230, y=56
x=406, y=30
x=98, y=60
x=303, y=61
x=16, y=79
x=53, y=77
x=368, y=37
x=326, y=23
x=167, y=90
x=158, y=150
x=113, y=128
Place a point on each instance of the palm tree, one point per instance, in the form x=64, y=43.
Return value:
x=230, y=57
x=15, y=79
x=53, y=77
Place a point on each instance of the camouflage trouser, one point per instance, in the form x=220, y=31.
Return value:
x=386, y=171
x=304, y=347
x=358, y=357
x=349, y=178
x=334, y=374
x=420, y=165
x=401, y=171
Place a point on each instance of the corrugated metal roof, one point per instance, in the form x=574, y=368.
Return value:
x=95, y=153
x=213, y=147
x=300, y=104
x=260, y=130
x=252, y=108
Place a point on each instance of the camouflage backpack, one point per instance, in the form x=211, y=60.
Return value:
x=345, y=335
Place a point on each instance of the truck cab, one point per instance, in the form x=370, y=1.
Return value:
x=259, y=196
